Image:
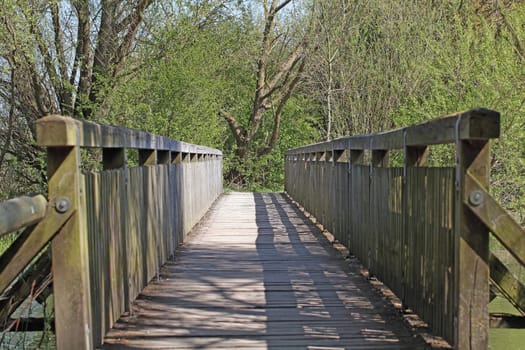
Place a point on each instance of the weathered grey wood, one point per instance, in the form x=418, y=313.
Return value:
x=109, y=231
x=71, y=284
x=29, y=244
x=507, y=283
x=473, y=124
x=500, y=223
x=256, y=274
x=21, y=212
x=400, y=223
x=472, y=239
x=59, y=131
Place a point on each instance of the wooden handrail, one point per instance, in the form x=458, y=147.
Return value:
x=21, y=212
x=109, y=230
x=57, y=131
x=127, y=222
x=415, y=227
x=474, y=124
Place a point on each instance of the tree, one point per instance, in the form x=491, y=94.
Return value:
x=58, y=57
x=280, y=62
x=326, y=78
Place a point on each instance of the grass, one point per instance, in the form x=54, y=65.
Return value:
x=6, y=241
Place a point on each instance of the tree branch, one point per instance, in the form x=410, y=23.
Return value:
x=281, y=6
x=133, y=21
x=83, y=57
x=65, y=95
x=238, y=131
x=278, y=113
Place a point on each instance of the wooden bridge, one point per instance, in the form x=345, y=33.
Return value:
x=146, y=251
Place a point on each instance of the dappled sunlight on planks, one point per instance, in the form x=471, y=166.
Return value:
x=255, y=274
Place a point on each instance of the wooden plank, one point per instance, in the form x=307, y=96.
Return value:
x=21, y=212
x=498, y=221
x=260, y=343
x=472, y=251
x=473, y=124
x=29, y=244
x=56, y=131
x=508, y=284
x=286, y=293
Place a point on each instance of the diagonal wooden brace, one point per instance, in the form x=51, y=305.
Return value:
x=497, y=220
x=29, y=244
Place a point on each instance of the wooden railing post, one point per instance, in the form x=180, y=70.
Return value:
x=70, y=264
x=442, y=271
x=472, y=249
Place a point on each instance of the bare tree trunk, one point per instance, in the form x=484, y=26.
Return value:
x=272, y=89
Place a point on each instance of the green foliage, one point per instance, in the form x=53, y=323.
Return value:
x=397, y=63
x=486, y=71
x=300, y=126
x=183, y=78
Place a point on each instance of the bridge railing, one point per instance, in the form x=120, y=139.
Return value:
x=424, y=231
x=109, y=230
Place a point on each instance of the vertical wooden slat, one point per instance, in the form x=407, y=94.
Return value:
x=92, y=205
x=123, y=221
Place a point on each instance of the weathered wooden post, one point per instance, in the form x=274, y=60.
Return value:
x=70, y=263
x=473, y=131
x=441, y=270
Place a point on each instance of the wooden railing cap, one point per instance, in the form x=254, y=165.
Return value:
x=473, y=124
x=60, y=131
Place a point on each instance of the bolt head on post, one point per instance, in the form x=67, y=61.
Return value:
x=475, y=198
x=62, y=205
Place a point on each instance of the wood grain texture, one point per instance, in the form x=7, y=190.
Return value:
x=21, y=212
x=397, y=221
x=136, y=217
x=59, y=131
x=469, y=125
x=255, y=274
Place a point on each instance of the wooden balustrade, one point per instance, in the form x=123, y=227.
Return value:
x=109, y=230
x=422, y=230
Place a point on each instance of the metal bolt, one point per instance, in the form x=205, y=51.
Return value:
x=476, y=198
x=62, y=205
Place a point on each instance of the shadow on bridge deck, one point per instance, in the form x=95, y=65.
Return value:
x=256, y=274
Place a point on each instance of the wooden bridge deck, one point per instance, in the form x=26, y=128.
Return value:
x=256, y=274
